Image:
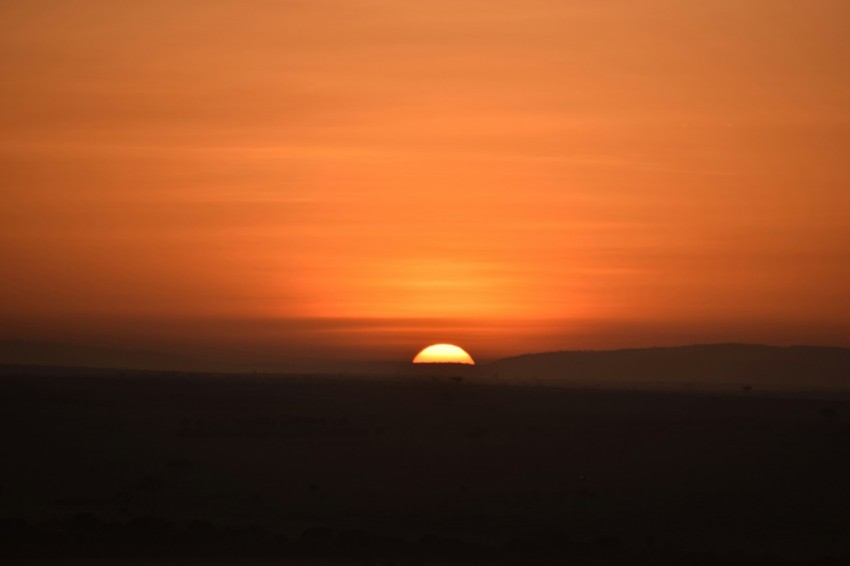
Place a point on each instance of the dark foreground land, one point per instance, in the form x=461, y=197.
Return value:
x=160, y=468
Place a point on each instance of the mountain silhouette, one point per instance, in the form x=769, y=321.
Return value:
x=708, y=365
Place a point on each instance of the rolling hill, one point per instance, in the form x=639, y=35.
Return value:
x=713, y=365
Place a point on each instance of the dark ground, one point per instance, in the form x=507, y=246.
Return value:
x=419, y=470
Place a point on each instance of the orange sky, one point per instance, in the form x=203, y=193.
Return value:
x=361, y=177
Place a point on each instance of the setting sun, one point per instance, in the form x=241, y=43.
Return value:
x=443, y=354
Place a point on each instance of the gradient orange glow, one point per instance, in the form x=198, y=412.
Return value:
x=443, y=354
x=356, y=178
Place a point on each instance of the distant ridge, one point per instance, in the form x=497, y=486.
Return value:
x=704, y=365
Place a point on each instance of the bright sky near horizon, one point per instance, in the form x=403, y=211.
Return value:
x=364, y=177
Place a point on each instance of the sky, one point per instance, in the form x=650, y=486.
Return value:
x=355, y=179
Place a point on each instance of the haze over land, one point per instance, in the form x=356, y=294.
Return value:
x=730, y=368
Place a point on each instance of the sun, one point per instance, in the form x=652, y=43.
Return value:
x=443, y=354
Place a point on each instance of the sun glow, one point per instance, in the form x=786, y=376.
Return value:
x=443, y=354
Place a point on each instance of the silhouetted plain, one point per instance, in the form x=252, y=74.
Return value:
x=417, y=469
